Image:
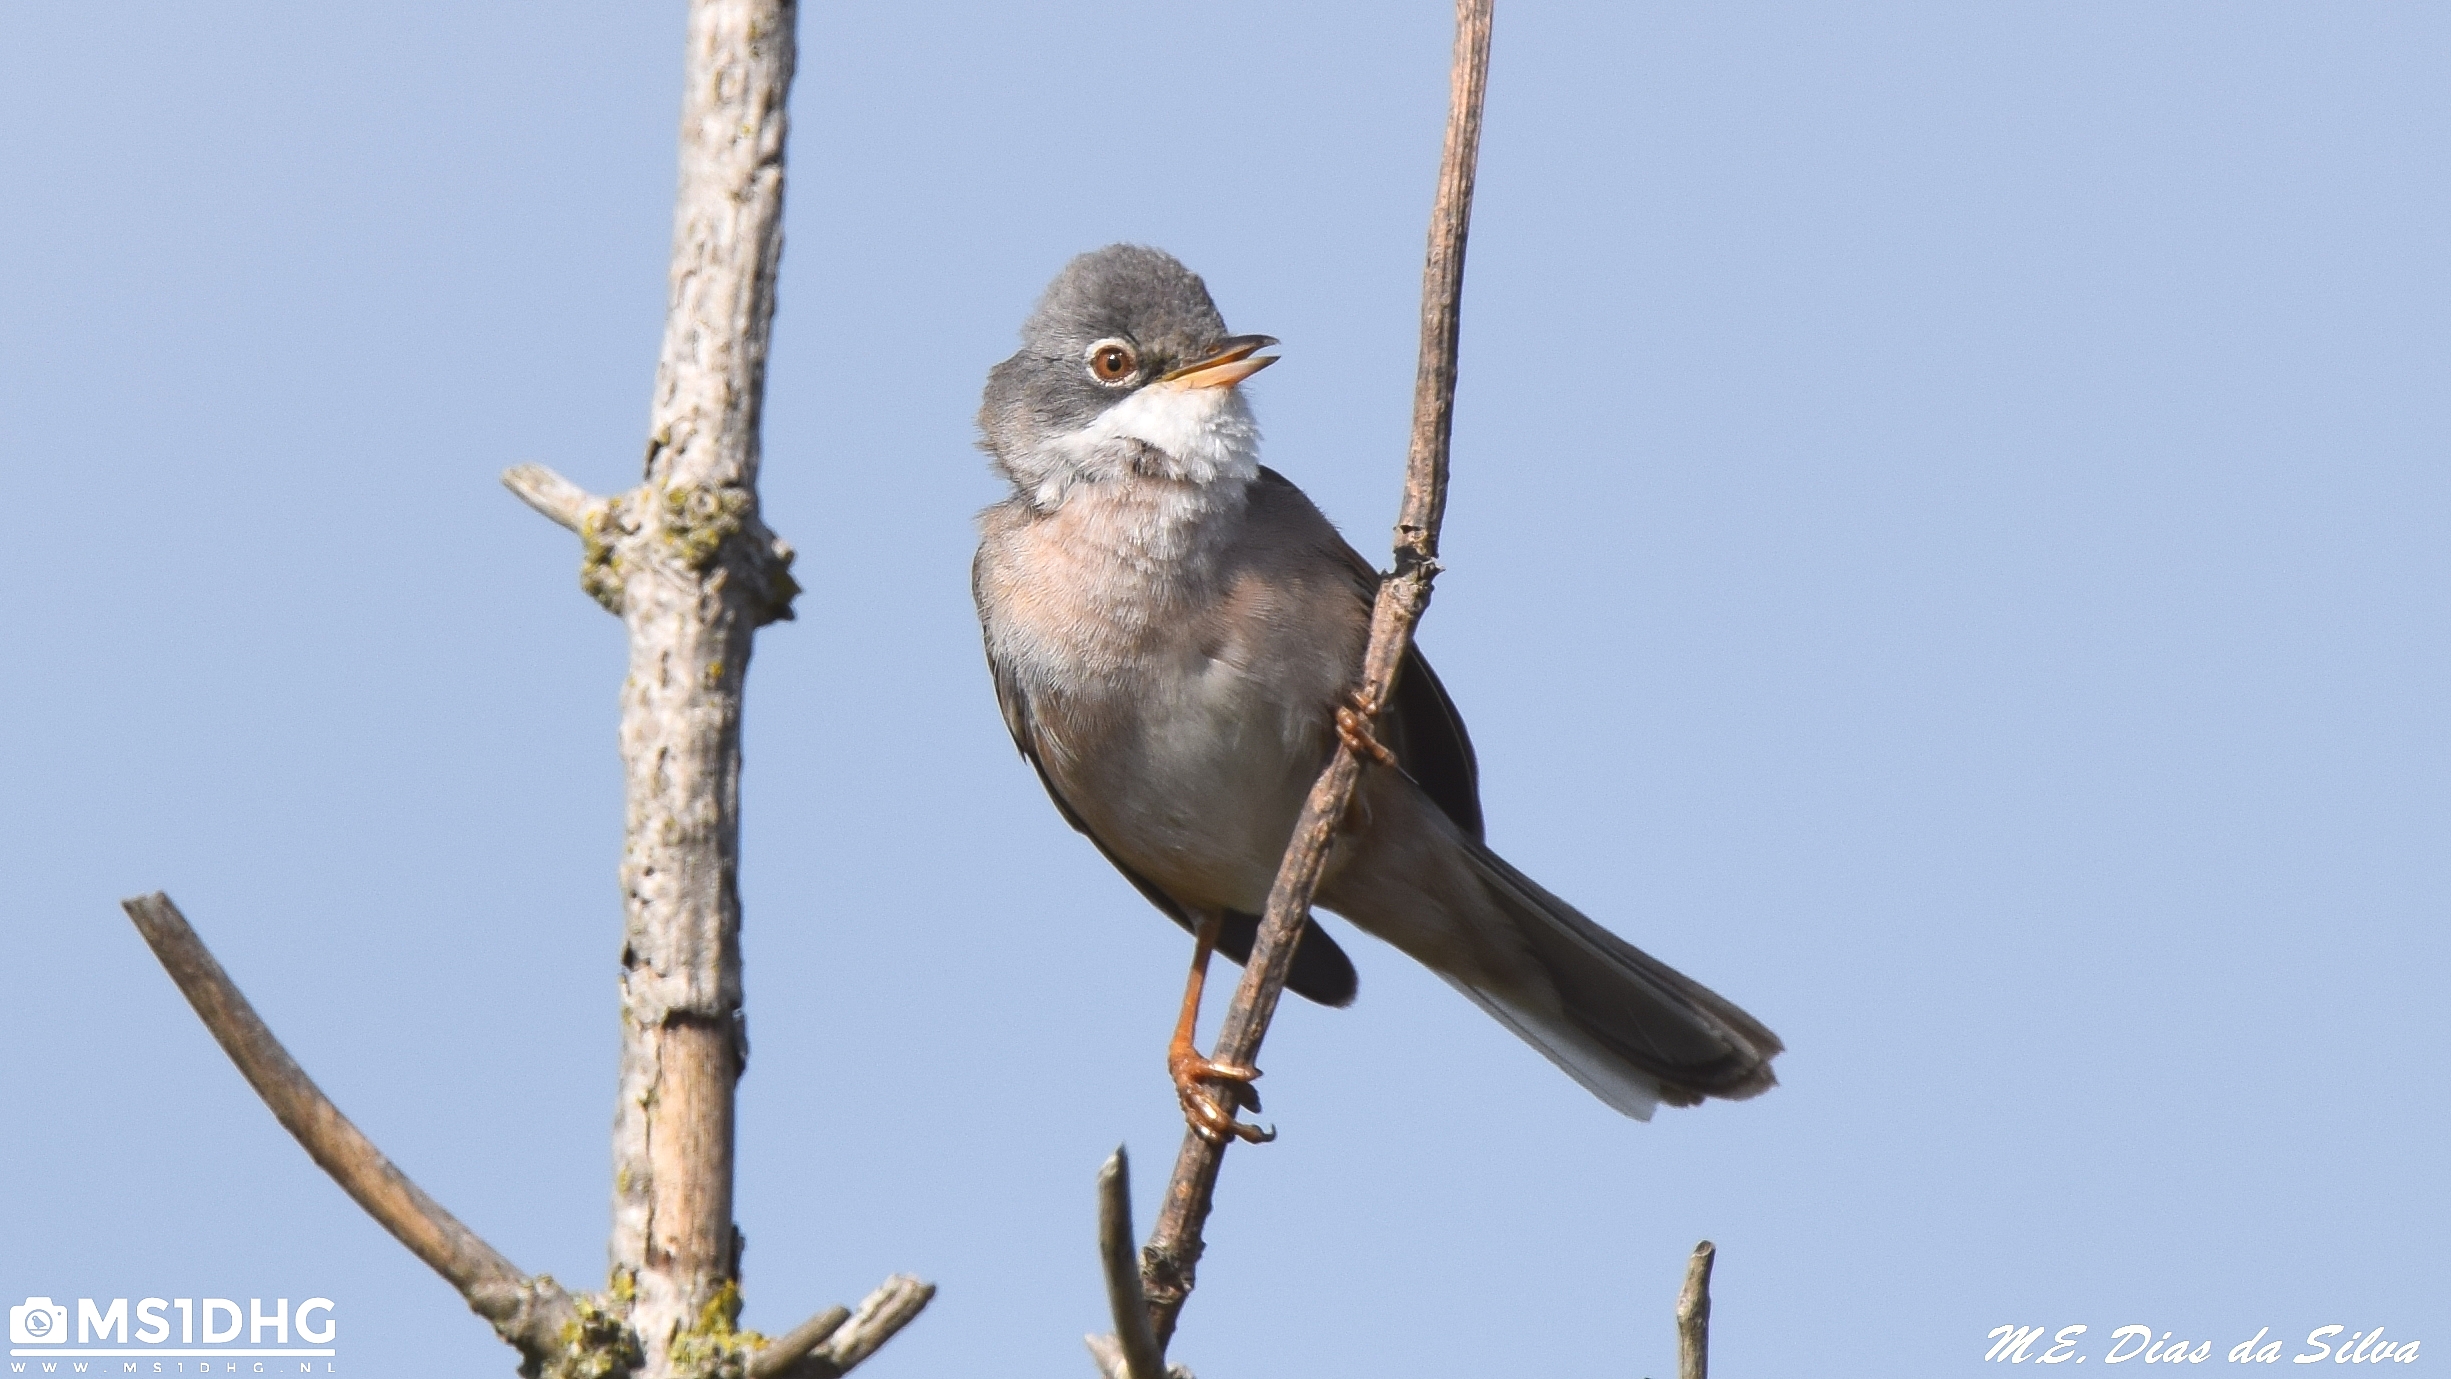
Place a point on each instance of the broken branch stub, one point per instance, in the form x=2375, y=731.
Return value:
x=1694, y=1314
x=1132, y=1351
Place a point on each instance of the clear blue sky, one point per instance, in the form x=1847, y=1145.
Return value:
x=1948, y=545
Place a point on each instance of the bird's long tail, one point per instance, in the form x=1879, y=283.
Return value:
x=1630, y=1028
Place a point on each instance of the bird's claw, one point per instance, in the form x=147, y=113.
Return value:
x=1216, y=1126
x=1210, y=1092
x=1353, y=720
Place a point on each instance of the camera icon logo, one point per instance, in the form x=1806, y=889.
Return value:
x=38, y=1321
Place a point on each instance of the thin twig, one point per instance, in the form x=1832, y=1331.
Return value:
x=1132, y=1352
x=1694, y=1315
x=1168, y=1263
x=530, y=1313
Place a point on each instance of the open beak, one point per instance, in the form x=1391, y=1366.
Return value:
x=1229, y=364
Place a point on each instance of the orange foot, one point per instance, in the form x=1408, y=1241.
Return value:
x=1210, y=1091
x=1353, y=720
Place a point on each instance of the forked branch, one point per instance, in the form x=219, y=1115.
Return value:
x=554, y=1332
x=848, y=1337
x=783, y=1355
x=1173, y=1252
x=687, y=562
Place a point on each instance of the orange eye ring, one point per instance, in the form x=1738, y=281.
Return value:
x=1113, y=361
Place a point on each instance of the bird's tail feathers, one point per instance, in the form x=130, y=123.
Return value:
x=1630, y=1028
x=1607, y=1077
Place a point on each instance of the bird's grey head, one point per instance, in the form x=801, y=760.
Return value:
x=1124, y=369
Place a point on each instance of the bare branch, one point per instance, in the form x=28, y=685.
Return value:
x=1107, y=1353
x=1694, y=1315
x=1132, y=1352
x=551, y=494
x=530, y=1313
x=787, y=1350
x=1168, y=1264
x=688, y=563
x=893, y=1306
x=693, y=572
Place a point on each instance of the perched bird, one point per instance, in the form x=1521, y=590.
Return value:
x=1174, y=630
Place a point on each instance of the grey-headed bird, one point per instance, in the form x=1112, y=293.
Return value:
x=1177, y=634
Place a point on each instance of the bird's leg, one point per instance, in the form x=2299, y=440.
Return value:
x=1354, y=718
x=1209, y=1108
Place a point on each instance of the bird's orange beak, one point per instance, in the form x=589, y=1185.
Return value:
x=1235, y=359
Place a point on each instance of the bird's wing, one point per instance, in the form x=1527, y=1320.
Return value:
x=1431, y=745
x=1421, y=726
x=1321, y=971
x=1015, y=702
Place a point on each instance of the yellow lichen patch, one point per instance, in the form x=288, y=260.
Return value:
x=600, y=1343
x=600, y=565
x=714, y=1346
x=697, y=521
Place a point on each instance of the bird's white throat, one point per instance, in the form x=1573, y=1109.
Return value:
x=1199, y=436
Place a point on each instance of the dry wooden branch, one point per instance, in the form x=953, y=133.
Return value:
x=1694, y=1315
x=783, y=1354
x=1132, y=1351
x=1170, y=1259
x=893, y=1306
x=532, y=1313
x=553, y=495
x=690, y=567
x=1107, y=1353
x=692, y=570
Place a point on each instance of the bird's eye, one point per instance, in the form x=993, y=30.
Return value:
x=1112, y=361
